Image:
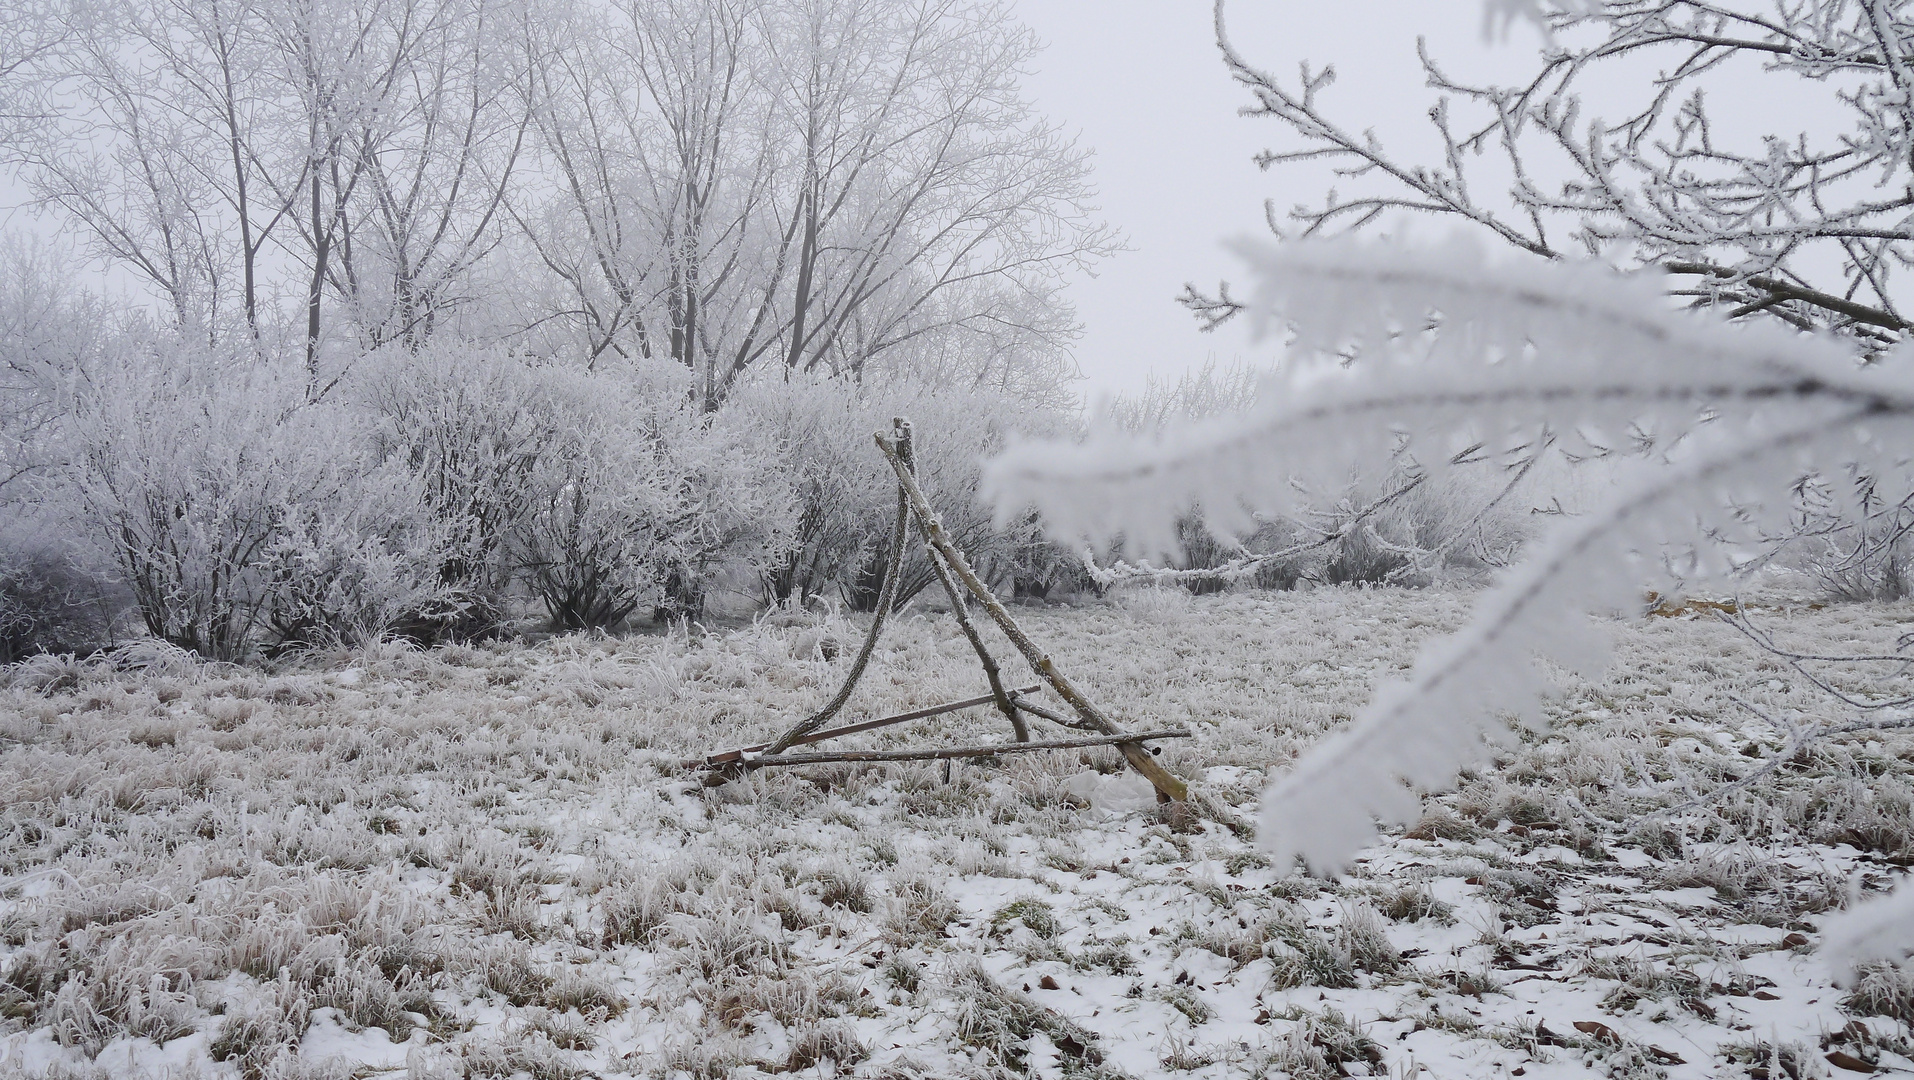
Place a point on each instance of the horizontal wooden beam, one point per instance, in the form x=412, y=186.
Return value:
x=869, y=725
x=958, y=751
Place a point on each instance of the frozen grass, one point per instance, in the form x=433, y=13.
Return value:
x=486, y=861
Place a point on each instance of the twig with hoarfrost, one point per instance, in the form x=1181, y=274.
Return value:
x=1765, y=642
x=1805, y=228
x=1123, y=573
x=1796, y=737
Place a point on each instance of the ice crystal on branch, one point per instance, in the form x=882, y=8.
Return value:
x=1588, y=151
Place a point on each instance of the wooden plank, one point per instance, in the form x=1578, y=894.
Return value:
x=869, y=725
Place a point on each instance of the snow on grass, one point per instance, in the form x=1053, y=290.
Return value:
x=487, y=861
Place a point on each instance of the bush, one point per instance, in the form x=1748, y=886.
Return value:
x=1852, y=538
x=1447, y=527
x=846, y=493
x=177, y=475
x=638, y=497
x=51, y=603
x=355, y=558
x=600, y=491
x=467, y=426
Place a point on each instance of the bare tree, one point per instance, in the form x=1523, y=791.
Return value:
x=29, y=30
x=439, y=156
x=814, y=183
x=238, y=155
x=122, y=155
x=658, y=143
x=48, y=332
x=930, y=195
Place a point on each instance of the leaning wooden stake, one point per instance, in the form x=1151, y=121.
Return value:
x=1005, y=704
x=886, y=595
x=743, y=752
x=1168, y=788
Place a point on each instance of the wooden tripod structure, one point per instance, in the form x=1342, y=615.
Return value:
x=958, y=579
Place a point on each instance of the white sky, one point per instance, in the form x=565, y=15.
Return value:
x=1142, y=84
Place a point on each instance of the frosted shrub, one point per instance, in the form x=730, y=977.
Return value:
x=467, y=424
x=234, y=509
x=734, y=511
x=178, y=475
x=819, y=427
x=601, y=491
x=355, y=556
x=846, y=495
x=50, y=600
x=1852, y=538
x=1399, y=526
x=599, y=502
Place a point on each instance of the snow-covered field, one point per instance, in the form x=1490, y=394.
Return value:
x=488, y=861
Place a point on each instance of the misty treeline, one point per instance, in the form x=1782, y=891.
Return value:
x=375, y=317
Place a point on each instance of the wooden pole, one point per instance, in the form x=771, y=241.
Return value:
x=886, y=594
x=901, y=431
x=1169, y=789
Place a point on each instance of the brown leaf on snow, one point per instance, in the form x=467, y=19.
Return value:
x=1849, y=1062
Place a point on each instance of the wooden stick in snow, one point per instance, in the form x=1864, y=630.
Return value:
x=901, y=431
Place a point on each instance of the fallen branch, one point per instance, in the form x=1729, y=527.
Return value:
x=870, y=725
x=1051, y=715
x=762, y=761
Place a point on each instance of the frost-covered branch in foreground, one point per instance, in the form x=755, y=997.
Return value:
x=1683, y=171
x=1524, y=350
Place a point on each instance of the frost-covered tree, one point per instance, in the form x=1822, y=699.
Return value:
x=28, y=30
x=254, y=162
x=49, y=329
x=821, y=186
